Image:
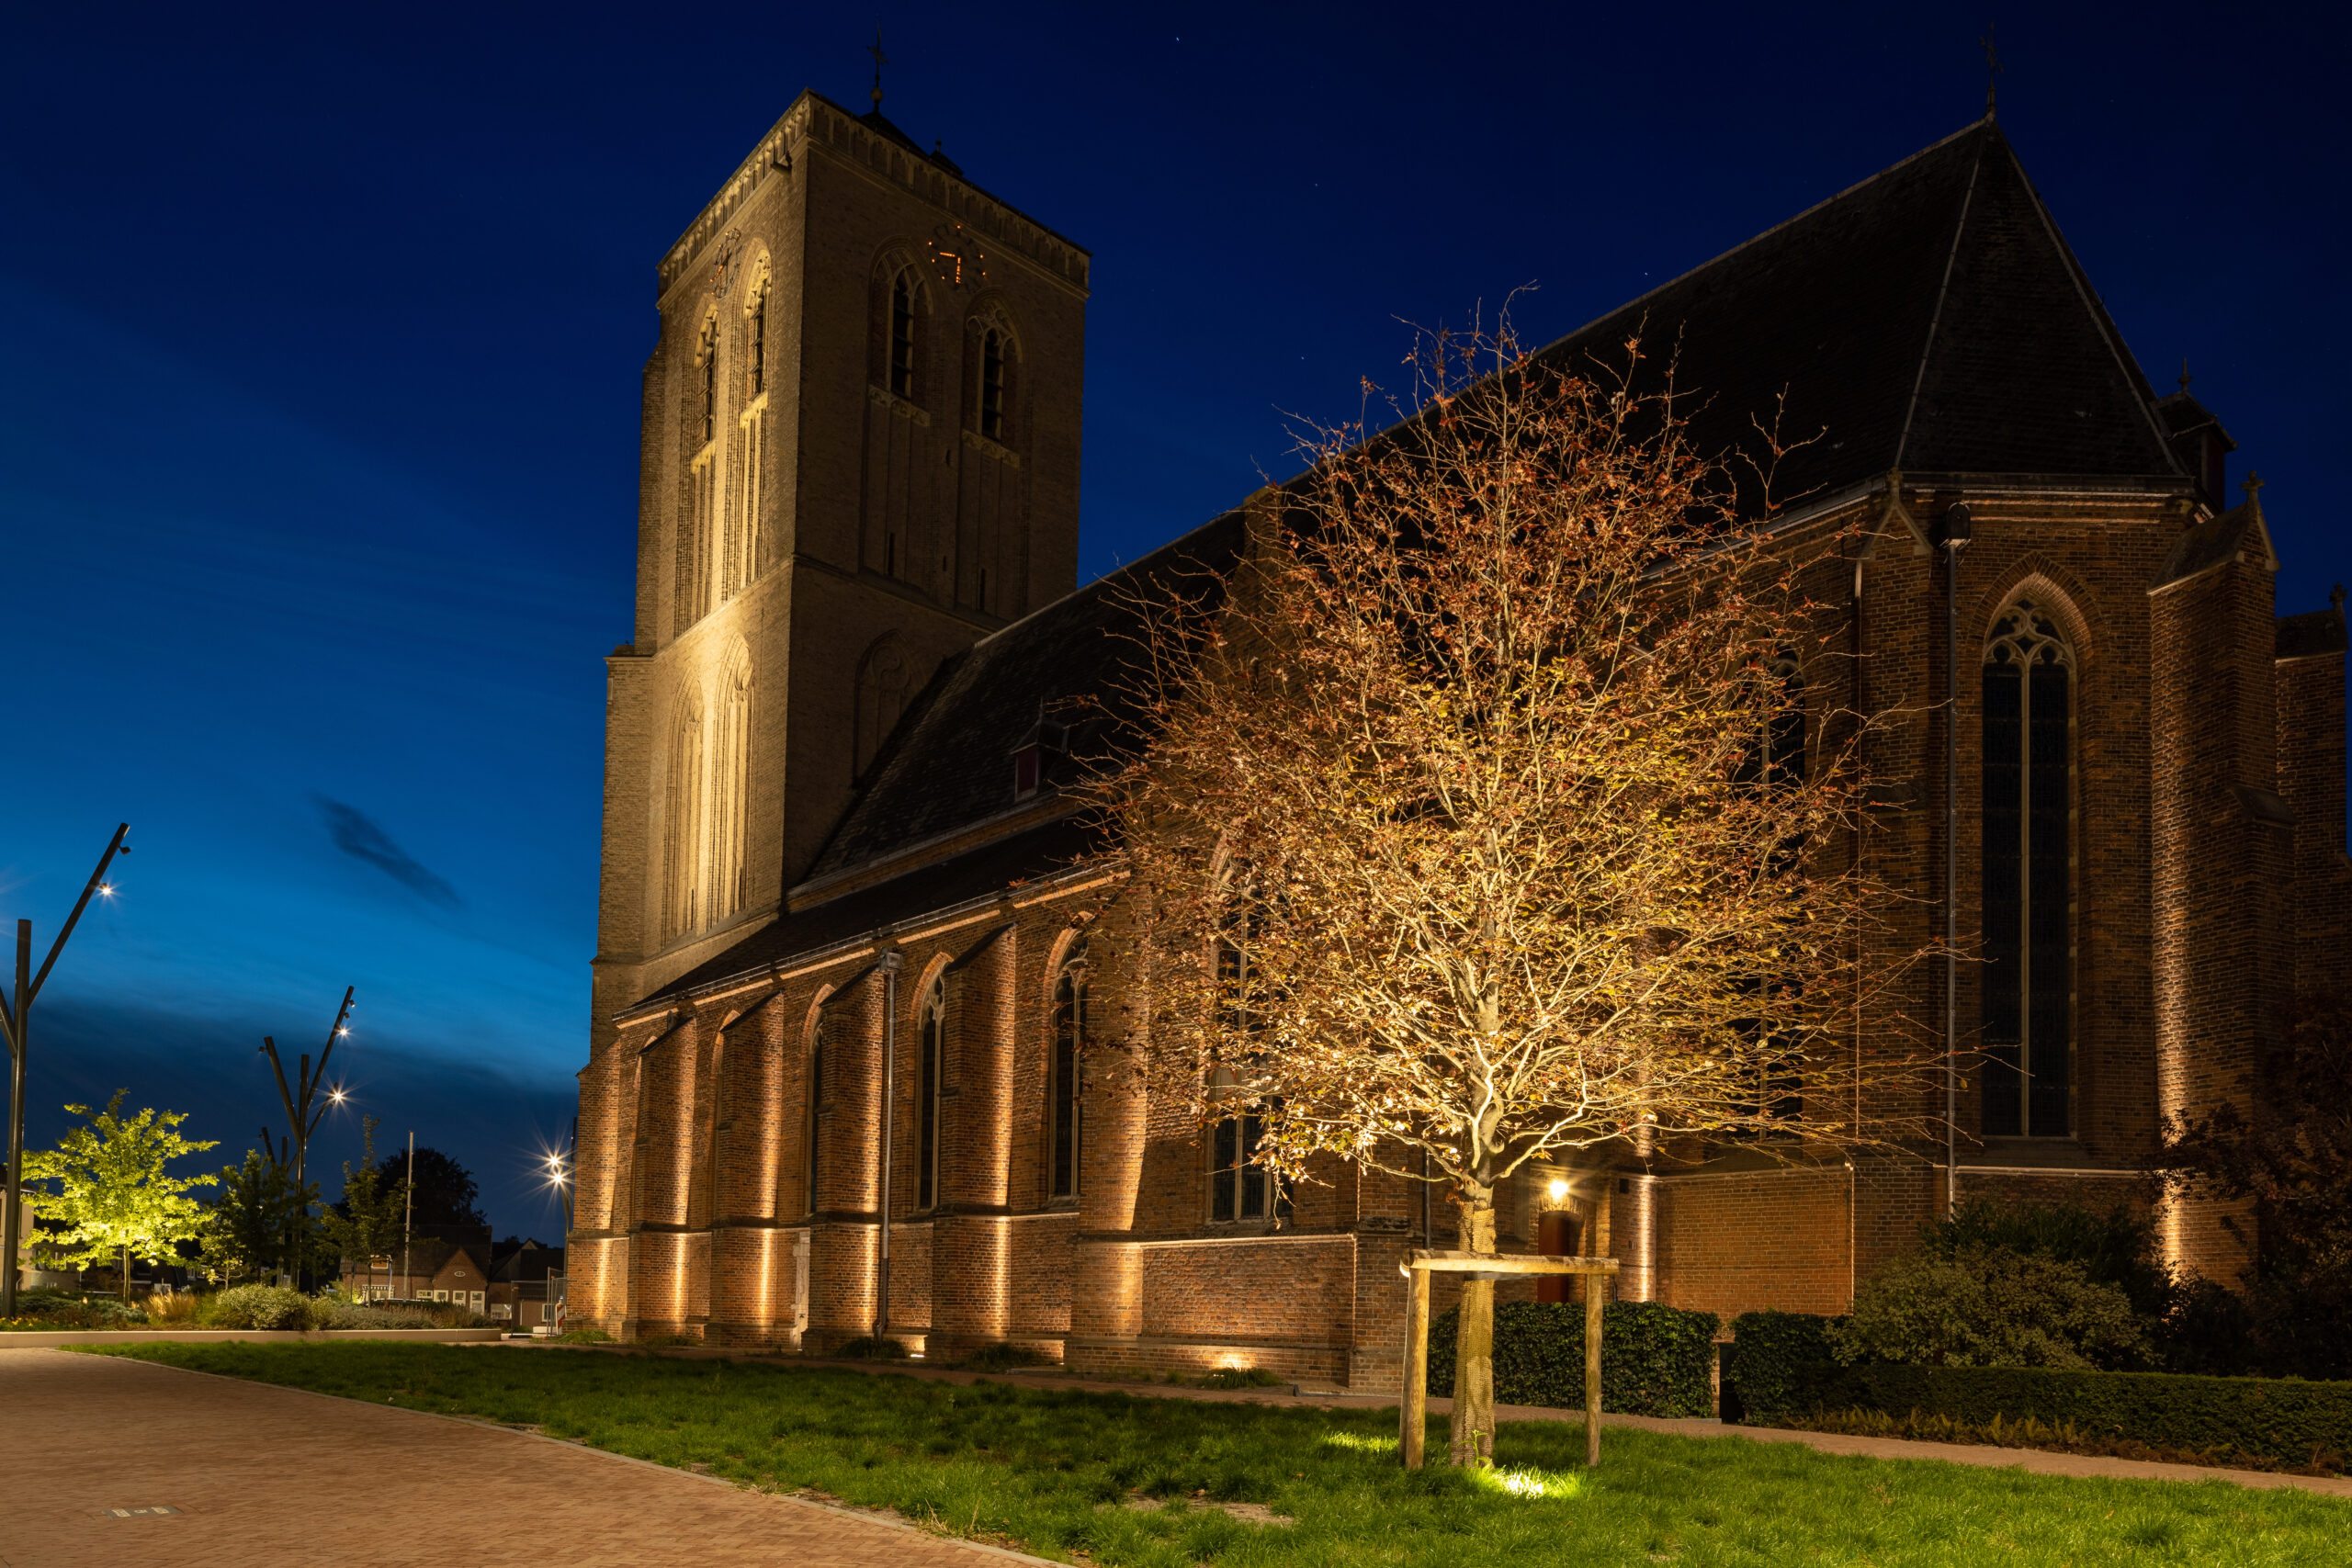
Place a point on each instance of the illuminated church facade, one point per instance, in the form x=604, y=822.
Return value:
x=835, y=1084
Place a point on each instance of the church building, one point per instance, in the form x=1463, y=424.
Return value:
x=839, y=1081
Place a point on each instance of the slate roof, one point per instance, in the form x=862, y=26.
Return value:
x=1930, y=318
x=2216, y=539
x=2312, y=633
x=925, y=885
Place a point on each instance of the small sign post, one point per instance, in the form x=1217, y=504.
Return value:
x=1417, y=1268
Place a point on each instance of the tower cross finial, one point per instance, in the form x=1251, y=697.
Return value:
x=2185, y=377
x=880, y=60
x=2253, y=485
x=1992, y=69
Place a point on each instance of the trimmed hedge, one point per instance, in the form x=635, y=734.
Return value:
x=1654, y=1360
x=1779, y=1367
x=1767, y=1364
x=2281, y=1420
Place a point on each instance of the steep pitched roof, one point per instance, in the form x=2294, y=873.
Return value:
x=1930, y=318
x=2312, y=633
x=2239, y=531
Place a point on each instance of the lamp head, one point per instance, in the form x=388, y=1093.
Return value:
x=1559, y=1191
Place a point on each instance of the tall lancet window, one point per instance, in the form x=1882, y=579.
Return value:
x=813, y=1123
x=682, y=822
x=730, y=790
x=1064, y=1089
x=902, y=333
x=931, y=1044
x=742, y=553
x=697, y=531
x=992, y=384
x=2029, y=974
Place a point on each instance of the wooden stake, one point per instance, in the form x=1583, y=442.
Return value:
x=1591, y=1372
x=1414, y=1407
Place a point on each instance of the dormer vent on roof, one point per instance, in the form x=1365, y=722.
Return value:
x=1031, y=757
x=2199, y=440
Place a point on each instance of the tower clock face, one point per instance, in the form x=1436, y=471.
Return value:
x=956, y=259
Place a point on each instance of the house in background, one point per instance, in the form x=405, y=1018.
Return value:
x=519, y=1274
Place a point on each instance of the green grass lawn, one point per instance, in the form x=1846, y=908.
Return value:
x=1047, y=1469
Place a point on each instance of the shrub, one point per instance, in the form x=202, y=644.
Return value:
x=55, y=1309
x=1001, y=1357
x=2278, y=1421
x=264, y=1306
x=2115, y=1247
x=1654, y=1360
x=587, y=1336
x=340, y=1314
x=174, y=1309
x=1990, y=1306
x=867, y=1349
x=1240, y=1377
x=1767, y=1363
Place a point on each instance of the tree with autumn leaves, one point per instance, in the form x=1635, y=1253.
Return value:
x=1483, y=820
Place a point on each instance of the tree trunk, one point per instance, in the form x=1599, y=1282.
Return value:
x=126, y=1276
x=1472, y=1432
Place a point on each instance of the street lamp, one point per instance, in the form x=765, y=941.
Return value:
x=299, y=1114
x=15, y=1021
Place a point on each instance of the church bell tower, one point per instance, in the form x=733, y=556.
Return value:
x=859, y=454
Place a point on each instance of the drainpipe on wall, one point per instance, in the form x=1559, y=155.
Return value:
x=1955, y=531
x=891, y=965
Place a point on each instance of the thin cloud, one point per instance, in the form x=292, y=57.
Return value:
x=357, y=835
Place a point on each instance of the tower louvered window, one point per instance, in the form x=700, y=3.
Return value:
x=992, y=384
x=902, y=334
x=2028, y=864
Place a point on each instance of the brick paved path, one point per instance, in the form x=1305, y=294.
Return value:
x=268, y=1475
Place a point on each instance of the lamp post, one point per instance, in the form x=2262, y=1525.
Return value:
x=16, y=1021
x=299, y=1114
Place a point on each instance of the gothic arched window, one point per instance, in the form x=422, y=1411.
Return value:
x=811, y=1121
x=902, y=333
x=931, y=1046
x=755, y=342
x=2028, y=862
x=1064, y=1088
x=706, y=367
x=730, y=790
x=993, y=358
x=681, y=825
x=880, y=696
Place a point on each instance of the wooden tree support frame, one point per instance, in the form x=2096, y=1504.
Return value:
x=1417, y=1268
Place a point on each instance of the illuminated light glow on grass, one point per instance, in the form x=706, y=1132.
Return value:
x=1529, y=1483
x=1363, y=1442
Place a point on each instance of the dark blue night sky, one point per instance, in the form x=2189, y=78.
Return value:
x=320, y=338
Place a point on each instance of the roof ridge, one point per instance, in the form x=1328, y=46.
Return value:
x=1755, y=239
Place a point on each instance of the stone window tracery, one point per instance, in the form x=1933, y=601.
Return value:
x=2029, y=874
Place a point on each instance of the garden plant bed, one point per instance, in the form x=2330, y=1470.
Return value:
x=1057, y=1471
x=146, y=1334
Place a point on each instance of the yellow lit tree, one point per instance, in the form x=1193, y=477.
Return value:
x=110, y=1185
x=1483, y=820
